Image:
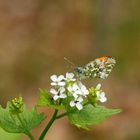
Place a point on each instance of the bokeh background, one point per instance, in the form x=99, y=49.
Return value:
x=35, y=36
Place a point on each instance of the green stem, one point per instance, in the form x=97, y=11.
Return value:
x=48, y=125
x=53, y=118
x=28, y=133
x=65, y=113
x=62, y=115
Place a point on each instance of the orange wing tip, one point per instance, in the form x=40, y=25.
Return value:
x=106, y=59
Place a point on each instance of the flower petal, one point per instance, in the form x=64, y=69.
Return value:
x=61, y=89
x=55, y=97
x=53, y=78
x=98, y=87
x=103, y=99
x=83, y=88
x=53, y=91
x=98, y=93
x=53, y=84
x=102, y=94
x=72, y=103
x=80, y=99
x=61, y=83
x=79, y=106
x=79, y=92
x=75, y=87
x=63, y=96
x=86, y=92
x=60, y=78
x=70, y=89
x=69, y=77
x=75, y=95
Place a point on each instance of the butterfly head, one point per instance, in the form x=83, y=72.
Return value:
x=79, y=71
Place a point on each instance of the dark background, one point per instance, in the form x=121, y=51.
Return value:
x=35, y=36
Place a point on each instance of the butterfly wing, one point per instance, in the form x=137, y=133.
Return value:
x=100, y=68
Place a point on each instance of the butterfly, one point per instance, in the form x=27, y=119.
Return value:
x=100, y=68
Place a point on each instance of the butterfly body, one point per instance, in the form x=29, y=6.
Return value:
x=98, y=68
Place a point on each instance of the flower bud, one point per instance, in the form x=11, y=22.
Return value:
x=16, y=105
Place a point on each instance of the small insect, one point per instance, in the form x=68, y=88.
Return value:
x=100, y=68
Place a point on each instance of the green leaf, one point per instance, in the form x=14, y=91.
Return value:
x=28, y=119
x=9, y=136
x=90, y=115
x=45, y=99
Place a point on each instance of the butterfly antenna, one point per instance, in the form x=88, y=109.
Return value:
x=72, y=64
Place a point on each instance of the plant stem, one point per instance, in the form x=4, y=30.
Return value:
x=28, y=133
x=48, y=125
x=61, y=115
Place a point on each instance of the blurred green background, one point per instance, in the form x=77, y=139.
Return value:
x=35, y=36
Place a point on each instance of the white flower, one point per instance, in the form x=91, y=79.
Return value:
x=70, y=77
x=78, y=89
x=57, y=81
x=77, y=102
x=74, y=90
x=98, y=87
x=60, y=93
x=84, y=91
x=101, y=96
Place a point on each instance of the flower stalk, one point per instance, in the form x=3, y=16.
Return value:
x=48, y=125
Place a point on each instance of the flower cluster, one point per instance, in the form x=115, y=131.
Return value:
x=17, y=102
x=69, y=87
x=98, y=93
x=16, y=105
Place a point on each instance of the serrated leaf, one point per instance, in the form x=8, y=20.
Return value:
x=10, y=122
x=45, y=99
x=90, y=115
